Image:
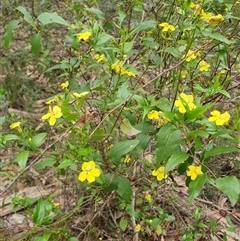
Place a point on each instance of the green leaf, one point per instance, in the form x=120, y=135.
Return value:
x=39, y=212
x=216, y=36
x=103, y=38
x=10, y=137
x=65, y=163
x=39, y=238
x=174, y=160
x=123, y=224
x=98, y=135
x=198, y=111
x=168, y=142
x=128, y=129
x=124, y=188
x=173, y=51
x=220, y=150
x=229, y=186
x=120, y=149
x=196, y=186
x=96, y=11
x=48, y=18
x=144, y=25
x=21, y=159
x=48, y=162
x=38, y=140
x=27, y=16
x=8, y=36
x=73, y=239
x=35, y=42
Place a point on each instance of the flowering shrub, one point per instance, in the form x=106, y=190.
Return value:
x=140, y=98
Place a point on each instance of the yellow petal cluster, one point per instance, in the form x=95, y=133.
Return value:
x=89, y=172
x=167, y=27
x=138, y=228
x=84, y=35
x=127, y=159
x=100, y=58
x=218, y=118
x=190, y=55
x=214, y=20
x=158, y=118
x=204, y=66
x=118, y=67
x=184, y=103
x=160, y=173
x=64, y=85
x=17, y=126
x=53, y=114
x=194, y=171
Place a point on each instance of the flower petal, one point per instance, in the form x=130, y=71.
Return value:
x=82, y=176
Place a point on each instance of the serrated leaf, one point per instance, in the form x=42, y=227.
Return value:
x=196, y=186
x=27, y=16
x=220, y=150
x=118, y=150
x=229, y=186
x=38, y=140
x=8, y=36
x=35, y=42
x=174, y=160
x=123, y=224
x=21, y=159
x=48, y=18
x=128, y=129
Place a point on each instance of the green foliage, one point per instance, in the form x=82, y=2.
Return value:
x=140, y=98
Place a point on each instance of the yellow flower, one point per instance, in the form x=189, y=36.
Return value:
x=138, y=228
x=204, y=15
x=53, y=114
x=99, y=58
x=184, y=74
x=184, y=102
x=127, y=159
x=17, y=126
x=77, y=96
x=89, y=172
x=148, y=197
x=194, y=171
x=117, y=66
x=215, y=19
x=84, y=35
x=153, y=115
x=65, y=85
x=126, y=72
x=55, y=99
x=204, y=66
x=162, y=120
x=218, y=118
x=159, y=173
x=167, y=27
x=56, y=204
x=190, y=56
